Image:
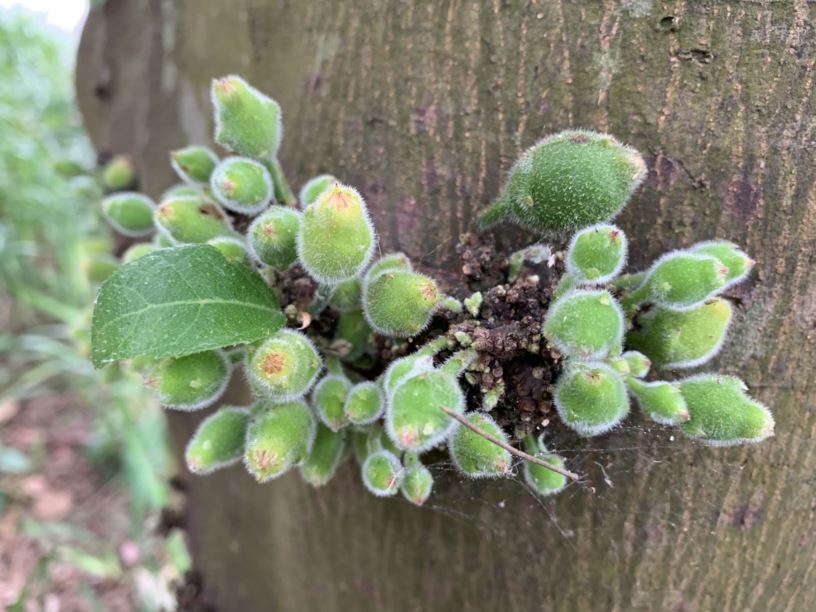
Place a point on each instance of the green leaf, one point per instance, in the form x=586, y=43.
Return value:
x=179, y=301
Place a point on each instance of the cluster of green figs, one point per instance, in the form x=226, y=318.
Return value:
x=313, y=408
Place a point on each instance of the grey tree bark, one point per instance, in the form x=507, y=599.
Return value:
x=424, y=104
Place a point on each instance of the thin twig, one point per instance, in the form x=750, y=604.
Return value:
x=507, y=447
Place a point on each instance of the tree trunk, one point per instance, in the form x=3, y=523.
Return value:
x=423, y=105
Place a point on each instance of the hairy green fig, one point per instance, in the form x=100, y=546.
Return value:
x=218, y=442
x=284, y=366
x=191, y=219
x=597, y=254
x=119, y=173
x=129, y=213
x=738, y=263
x=279, y=436
x=722, y=413
x=181, y=189
x=417, y=482
x=135, y=251
x=540, y=479
x=382, y=473
x=400, y=303
x=568, y=181
x=391, y=261
x=661, y=401
x=242, y=185
x=246, y=121
x=232, y=248
x=587, y=324
x=272, y=237
x=364, y=403
x=327, y=453
x=591, y=398
x=685, y=339
x=330, y=399
x=162, y=240
x=336, y=237
x=98, y=267
x=312, y=188
x=191, y=382
x=414, y=420
x=681, y=280
x=475, y=456
x=639, y=364
x=194, y=164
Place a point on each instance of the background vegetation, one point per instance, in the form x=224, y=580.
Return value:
x=83, y=459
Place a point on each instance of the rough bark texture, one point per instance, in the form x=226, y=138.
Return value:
x=423, y=104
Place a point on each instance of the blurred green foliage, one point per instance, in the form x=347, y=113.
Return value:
x=52, y=239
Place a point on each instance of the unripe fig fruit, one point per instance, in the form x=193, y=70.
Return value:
x=278, y=437
x=314, y=187
x=285, y=366
x=364, y=403
x=272, y=237
x=475, y=456
x=326, y=454
x=722, y=413
x=218, y=442
x=400, y=303
x=382, y=473
x=543, y=481
x=568, y=181
x=330, y=399
x=246, y=121
x=591, y=398
x=119, y=173
x=194, y=164
x=191, y=219
x=242, y=185
x=414, y=420
x=661, y=401
x=417, y=484
x=135, y=251
x=681, y=280
x=597, y=254
x=129, y=213
x=684, y=339
x=191, y=382
x=586, y=324
x=336, y=237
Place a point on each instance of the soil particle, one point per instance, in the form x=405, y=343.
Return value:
x=515, y=373
x=514, y=360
